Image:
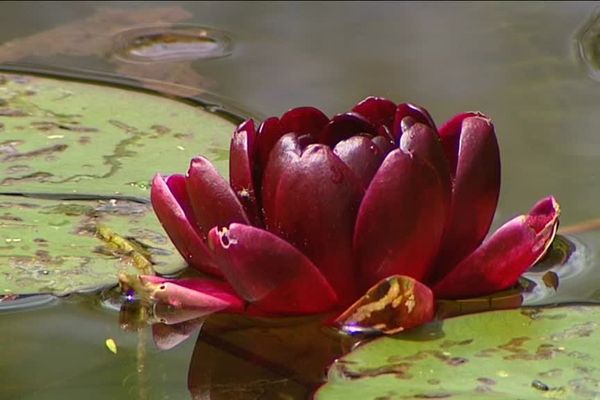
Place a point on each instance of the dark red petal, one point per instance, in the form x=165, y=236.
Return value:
x=344, y=126
x=167, y=337
x=377, y=110
x=269, y=272
x=269, y=132
x=400, y=220
x=499, y=262
x=393, y=305
x=213, y=201
x=422, y=140
x=475, y=193
x=171, y=206
x=384, y=144
x=317, y=201
x=361, y=155
x=419, y=114
x=303, y=121
x=286, y=152
x=450, y=134
x=241, y=164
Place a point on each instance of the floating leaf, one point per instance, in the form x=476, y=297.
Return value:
x=111, y=345
x=391, y=306
x=77, y=160
x=502, y=354
x=69, y=137
x=49, y=246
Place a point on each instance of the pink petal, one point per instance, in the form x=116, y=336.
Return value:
x=377, y=110
x=204, y=296
x=475, y=192
x=316, y=204
x=302, y=121
x=171, y=205
x=269, y=132
x=241, y=163
x=419, y=114
x=213, y=201
x=269, y=272
x=361, y=155
x=400, y=220
x=344, y=126
x=286, y=152
x=499, y=262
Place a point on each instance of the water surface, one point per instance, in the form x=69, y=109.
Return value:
x=516, y=62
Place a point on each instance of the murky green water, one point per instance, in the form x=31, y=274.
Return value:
x=516, y=62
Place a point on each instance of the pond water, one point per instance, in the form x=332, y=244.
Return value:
x=529, y=66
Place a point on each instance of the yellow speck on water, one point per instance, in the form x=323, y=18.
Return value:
x=111, y=345
x=502, y=374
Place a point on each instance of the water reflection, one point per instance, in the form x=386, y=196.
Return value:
x=171, y=43
x=588, y=45
x=237, y=357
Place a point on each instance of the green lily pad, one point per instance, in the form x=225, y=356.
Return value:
x=61, y=136
x=516, y=354
x=49, y=246
x=98, y=146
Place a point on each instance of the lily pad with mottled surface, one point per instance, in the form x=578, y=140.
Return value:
x=64, y=136
x=77, y=159
x=49, y=246
x=518, y=354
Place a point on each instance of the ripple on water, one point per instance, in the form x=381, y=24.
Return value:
x=163, y=43
x=588, y=45
x=23, y=302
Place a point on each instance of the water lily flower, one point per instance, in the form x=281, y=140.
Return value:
x=318, y=210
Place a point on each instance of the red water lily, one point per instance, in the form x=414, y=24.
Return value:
x=318, y=210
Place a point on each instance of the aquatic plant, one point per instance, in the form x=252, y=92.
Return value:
x=318, y=210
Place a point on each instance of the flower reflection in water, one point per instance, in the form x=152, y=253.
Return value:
x=239, y=357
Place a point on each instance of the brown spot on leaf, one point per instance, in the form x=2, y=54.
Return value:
x=446, y=344
x=437, y=395
x=515, y=345
x=543, y=352
x=34, y=177
x=486, y=353
x=551, y=373
x=577, y=331
x=399, y=370
x=10, y=217
x=486, y=381
x=160, y=129
x=44, y=151
x=10, y=112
